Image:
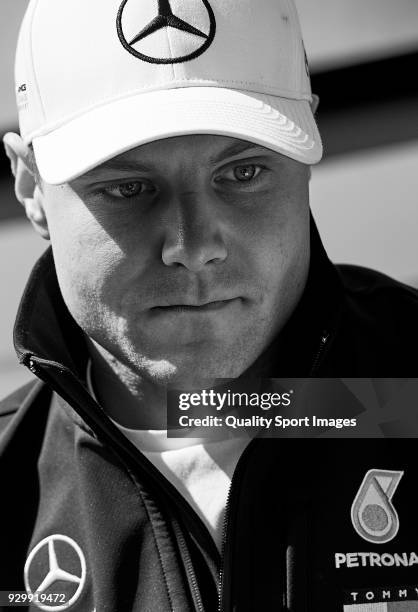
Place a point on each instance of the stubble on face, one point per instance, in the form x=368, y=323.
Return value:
x=134, y=262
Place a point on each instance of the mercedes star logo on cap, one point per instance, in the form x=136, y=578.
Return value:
x=197, y=37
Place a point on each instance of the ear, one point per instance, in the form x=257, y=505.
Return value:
x=314, y=103
x=27, y=191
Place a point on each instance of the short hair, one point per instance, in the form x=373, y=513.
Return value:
x=33, y=166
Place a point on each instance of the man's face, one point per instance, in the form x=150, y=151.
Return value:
x=183, y=256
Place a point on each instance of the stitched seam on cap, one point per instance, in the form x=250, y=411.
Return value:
x=35, y=77
x=173, y=69
x=295, y=42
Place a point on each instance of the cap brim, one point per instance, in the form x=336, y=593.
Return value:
x=84, y=142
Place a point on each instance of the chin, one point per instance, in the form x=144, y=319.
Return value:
x=163, y=363
x=191, y=363
x=192, y=370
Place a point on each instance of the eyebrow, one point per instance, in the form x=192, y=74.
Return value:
x=118, y=164
x=235, y=149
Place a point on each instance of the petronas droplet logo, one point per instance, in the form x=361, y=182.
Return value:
x=372, y=513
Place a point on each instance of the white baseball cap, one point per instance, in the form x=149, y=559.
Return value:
x=95, y=78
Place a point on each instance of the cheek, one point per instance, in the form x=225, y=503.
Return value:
x=85, y=256
x=277, y=242
x=283, y=265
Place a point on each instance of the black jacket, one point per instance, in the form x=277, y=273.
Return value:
x=289, y=541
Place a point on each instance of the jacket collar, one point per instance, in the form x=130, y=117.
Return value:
x=44, y=328
x=46, y=331
x=294, y=352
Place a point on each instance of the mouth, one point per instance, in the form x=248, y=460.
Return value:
x=194, y=308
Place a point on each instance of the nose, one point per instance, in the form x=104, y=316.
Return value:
x=194, y=233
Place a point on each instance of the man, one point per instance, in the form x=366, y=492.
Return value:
x=165, y=152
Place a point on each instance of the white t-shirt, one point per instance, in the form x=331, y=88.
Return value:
x=201, y=470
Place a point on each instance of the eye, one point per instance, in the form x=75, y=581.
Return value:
x=243, y=176
x=246, y=173
x=130, y=189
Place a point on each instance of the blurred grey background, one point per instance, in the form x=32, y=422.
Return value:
x=364, y=57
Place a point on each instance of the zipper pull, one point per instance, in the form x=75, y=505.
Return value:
x=324, y=340
x=32, y=367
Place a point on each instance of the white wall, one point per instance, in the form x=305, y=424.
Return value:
x=366, y=206
x=341, y=32
x=11, y=12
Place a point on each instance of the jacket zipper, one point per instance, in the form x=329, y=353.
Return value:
x=192, y=580
x=194, y=587
x=323, y=343
x=225, y=528
x=35, y=368
x=197, y=599
x=319, y=354
x=224, y=532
